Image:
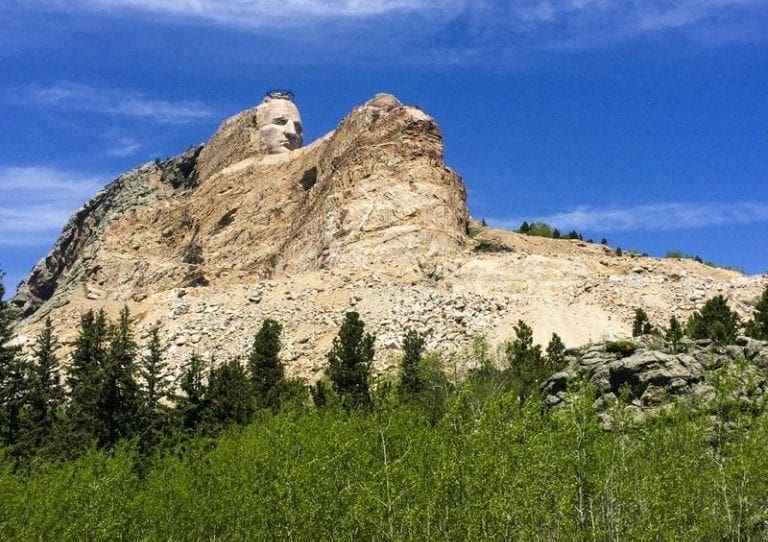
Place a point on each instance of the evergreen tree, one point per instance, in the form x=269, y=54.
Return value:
x=674, y=334
x=46, y=396
x=555, y=354
x=757, y=327
x=526, y=368
x=716, y=321
x=193, y=403
x=12, y=381
x=411, y=381
x=229, y=397
x=350, y=362
x=154, y=389
x=119, y=403
x=641, y=325
x=524, y=227
x=86, y=381
x=266, y=371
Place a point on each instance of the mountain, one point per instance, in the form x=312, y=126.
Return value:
x=369, y=218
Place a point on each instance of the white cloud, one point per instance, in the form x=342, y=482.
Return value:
x=35, y=202
x=123, y=147
x=118, y=102
x=265, y=13
x=651, y=217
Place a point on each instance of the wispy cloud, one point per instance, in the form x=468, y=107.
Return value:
x=117, y=102
x=265, y=13
x=652, y=217
x=484, y=24
x=35, y=202
x=123, y=147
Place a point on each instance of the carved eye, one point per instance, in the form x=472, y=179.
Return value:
x=282, y=121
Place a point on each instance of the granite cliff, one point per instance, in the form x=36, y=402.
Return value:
x=253, y=225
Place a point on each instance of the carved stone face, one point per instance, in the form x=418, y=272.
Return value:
x=279, y=125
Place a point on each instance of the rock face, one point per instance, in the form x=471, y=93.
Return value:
x=651, y=377
x=368, y=217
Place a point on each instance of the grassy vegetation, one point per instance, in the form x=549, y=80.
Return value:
x=490, y=469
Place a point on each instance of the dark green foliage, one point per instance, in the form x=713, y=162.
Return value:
x=13, y=382
x=46, y=396
x=623, y=348
x=757, y=327
x=604, y=241
x=641, y=325
x=555, y=358
x=193, y=402
x=716, y=322
x=228, y=398
x=86, y=382
x=155, y=392
x=410, y=366
x=525, y=367
x=350, y=362
x=266, y=371
x=119, y=401
x=618, y=251
x=524, y=228
x=674, y=334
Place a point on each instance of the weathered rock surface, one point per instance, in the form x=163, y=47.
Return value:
x=651, y=377
x=369, y=218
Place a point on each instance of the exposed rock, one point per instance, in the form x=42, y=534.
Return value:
x=368, y=217
x=649, y=378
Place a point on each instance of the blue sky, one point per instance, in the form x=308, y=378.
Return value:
x=643, y=122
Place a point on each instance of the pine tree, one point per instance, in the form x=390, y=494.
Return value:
x=555, y=354
x=641, y=325
x=86, y=381
x=193, y=403
x=524, y=227
x=119, y=402
x=350, y=362
x=12, y=382
x=757, y=327
x=154, y=389
x=716, y=322
x=674, y=334
x=46, y=396
x=266, y=371
x=411, y=381
x=229, y=397
x=525, y=365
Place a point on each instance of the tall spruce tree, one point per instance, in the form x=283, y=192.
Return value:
x=119, y=402
x=266, y=371
x=13, y=382
x=86, y=382
x=154, y=390
x=350, y=362
x=46, y=396
x=192, y=404
x=411, y=380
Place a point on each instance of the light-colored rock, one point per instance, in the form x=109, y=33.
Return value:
x=367, y=217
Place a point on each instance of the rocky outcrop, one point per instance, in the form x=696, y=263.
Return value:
x=368, y=217
x=80, y=240
x=647, y=376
